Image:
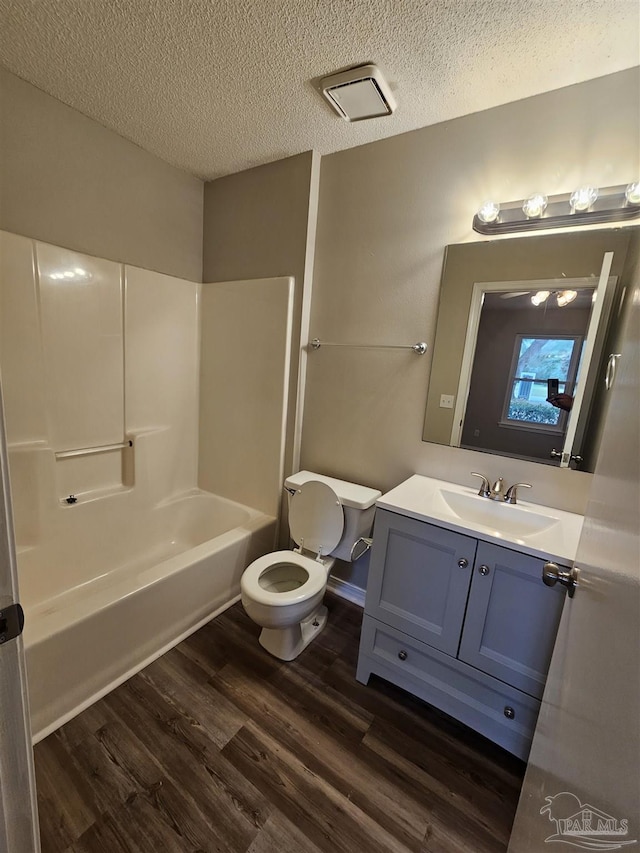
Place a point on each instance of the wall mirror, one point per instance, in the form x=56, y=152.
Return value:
x=526, y=344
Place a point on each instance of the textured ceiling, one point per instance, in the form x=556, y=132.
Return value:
x=216, y=86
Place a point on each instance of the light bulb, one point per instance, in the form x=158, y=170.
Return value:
x=583, y=198
x=564, y=297
x=534, y=206
x=632, y=193
x=489, y=211
x=69, y=274
x=540, y=297
x=79, y=271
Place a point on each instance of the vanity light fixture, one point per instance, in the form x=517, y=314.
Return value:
x=583, y=198
x=584, y=206
x=489, y=212
x=632, y=193
x=535, y=205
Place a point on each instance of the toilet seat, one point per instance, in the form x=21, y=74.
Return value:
x=315, y=583
x=316, y=518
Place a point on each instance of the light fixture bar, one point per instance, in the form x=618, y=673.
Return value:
x=611, y=205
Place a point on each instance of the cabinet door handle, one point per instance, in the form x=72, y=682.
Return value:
x=403, y=655
x=463, y=562
x=509, y=713
x=484, y=570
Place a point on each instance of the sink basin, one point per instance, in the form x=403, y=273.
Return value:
x=534, y=529
x=504, y=518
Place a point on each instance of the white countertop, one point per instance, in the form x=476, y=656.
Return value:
x=526, y=527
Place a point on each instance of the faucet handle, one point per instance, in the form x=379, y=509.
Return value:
x=485, y=488
x=497, y=490
x=512, y=492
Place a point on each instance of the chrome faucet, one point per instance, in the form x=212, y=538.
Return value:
x=485, y=488
x=497, y=491
x=512, y=492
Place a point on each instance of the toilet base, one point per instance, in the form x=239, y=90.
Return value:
x=287, y=643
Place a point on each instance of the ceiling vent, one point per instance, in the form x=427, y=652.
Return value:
x=359, y=93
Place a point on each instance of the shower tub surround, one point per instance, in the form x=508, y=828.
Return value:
x=120, y=553
x=136, y=586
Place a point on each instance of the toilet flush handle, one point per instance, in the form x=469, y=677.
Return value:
x=360, y=547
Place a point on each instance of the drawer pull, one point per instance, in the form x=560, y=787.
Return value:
x=463, y=562
x=509, y=713
x=484, y=570
x=402, y=655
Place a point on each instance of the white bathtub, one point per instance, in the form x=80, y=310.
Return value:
x=104, y=599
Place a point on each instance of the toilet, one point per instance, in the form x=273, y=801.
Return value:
x=283, y=591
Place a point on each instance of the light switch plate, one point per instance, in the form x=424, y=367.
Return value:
x=446, y=401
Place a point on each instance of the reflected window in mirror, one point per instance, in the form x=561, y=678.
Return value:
x=539, y=361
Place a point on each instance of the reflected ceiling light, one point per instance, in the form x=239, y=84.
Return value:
x=535, y=205
x=632, y=193
x=564, y=297
x=540, y=297
x=77, y=273
x=489, y=211
x=585, y=206
x=583, y=198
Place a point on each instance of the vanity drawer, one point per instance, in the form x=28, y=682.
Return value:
x=500, y=712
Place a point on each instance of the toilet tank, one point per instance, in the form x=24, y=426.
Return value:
x=358, y=504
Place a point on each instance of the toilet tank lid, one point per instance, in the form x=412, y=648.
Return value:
x=350, y=494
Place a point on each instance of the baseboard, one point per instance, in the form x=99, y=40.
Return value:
x=347, y=590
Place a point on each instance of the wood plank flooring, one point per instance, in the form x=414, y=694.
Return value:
x=219, y=747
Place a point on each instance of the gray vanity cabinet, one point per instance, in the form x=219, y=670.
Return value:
x=466, y=625
x=425, y=593
x=512, y=619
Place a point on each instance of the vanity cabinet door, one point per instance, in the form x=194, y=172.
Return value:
x=512, y=618
x=419, y=579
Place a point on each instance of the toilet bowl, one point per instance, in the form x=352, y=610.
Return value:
x=283, y=591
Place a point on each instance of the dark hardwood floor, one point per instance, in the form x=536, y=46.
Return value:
x=219, y=747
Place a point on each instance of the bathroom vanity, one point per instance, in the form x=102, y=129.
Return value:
x=456, y=609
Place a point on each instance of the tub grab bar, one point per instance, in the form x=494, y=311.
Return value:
x=90, y=451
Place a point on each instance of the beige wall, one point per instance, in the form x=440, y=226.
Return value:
x=262, y=223
x=386, y=212
x=244, y=377
x=66, y=180
x=255, y=222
